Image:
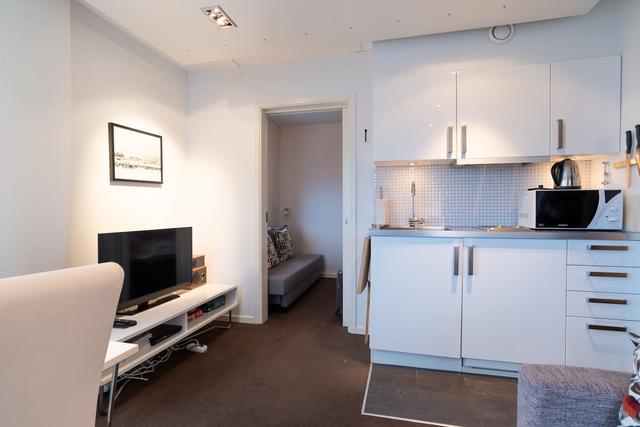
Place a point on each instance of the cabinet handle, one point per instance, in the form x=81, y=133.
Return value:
x=456, y=260
x=607, y=328
x=560, y=134
x=607, y=301
x=450, y=140
x=607, y=274
x=463, y=138
x=607, y=248
x=470, y=254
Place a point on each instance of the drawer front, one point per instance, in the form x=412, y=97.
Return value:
x=623, y=280
x=606, y=346
x=620, y=253
x=603, y=305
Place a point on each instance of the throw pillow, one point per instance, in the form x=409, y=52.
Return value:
x=629, y=414
x=283, y=242
x=272, y=254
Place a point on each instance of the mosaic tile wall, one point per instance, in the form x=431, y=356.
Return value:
x=463, y=195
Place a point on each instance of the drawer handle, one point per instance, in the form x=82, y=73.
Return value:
x=607, y=301
x=607, y=328
x=607, y=248
x=456, y=260
x=612, y=274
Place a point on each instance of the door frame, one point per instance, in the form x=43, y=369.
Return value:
x=347, y=104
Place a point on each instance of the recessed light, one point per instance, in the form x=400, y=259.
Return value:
x=219, y=16
x=413, y=163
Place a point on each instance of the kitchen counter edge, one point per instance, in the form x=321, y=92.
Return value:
x=533, y=234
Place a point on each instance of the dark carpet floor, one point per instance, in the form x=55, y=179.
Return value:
x=301, y=368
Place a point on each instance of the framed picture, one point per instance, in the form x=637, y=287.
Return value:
x=135, y=155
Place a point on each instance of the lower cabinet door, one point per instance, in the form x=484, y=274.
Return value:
x=600, y=343
x=416, y=295
x=514, y=300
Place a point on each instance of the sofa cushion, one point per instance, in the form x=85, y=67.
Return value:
x=630, y=407
x=286, y=275
x=569, y=396
x=272, y=254
x=283, y=242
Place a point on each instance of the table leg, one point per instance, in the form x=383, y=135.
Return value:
x=112, y=391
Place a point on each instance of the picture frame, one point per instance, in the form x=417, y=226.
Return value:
x=134, y=155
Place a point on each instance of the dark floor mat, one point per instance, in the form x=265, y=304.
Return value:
x=440, y=398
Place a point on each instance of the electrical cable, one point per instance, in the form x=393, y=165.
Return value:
x=148, y=366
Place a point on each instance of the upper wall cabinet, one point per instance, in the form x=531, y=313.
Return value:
x=585, y=106
x=503, y=114
x=414, y=118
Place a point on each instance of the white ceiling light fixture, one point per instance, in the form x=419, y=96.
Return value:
x=219, y=16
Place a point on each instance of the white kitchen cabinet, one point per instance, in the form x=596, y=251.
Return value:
x=416, y=295
x=585, y=106
x=414, y=117
x=600, y=343
x=503, y=114
x=514, y=300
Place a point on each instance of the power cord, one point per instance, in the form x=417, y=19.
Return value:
x=148, y=366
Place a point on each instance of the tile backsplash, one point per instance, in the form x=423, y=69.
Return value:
x=464, y=195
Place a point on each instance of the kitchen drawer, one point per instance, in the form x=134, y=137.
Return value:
x=603, y=305
x=622, y=280
x=620, y=253
x=606, y=348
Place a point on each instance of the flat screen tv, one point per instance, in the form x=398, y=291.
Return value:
x=155, y=263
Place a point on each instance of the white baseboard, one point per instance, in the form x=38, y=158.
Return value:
x=242, y=319
x=328, y=275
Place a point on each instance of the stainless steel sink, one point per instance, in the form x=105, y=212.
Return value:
x=417, y=227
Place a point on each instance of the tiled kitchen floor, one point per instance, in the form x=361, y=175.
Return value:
x=442, y=397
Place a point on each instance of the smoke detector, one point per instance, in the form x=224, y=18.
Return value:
x=501, y=34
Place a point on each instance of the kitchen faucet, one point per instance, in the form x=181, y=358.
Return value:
x=413, y=221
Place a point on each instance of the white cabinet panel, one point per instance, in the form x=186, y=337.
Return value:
x=600, y=343
x=414, y=117
x=514, y=300
x=603, y=279
x=618, y=253
x=585, y=97
x=415, y=296
x=503, y=113
x=603, y=305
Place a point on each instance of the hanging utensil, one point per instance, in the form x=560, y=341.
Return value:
x=638, y=148
x=628, y=160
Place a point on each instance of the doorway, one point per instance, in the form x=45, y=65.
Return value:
x=293, y=116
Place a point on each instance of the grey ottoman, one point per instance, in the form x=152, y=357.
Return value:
x=568, y=396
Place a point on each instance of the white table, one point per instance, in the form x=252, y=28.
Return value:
x=116, y=353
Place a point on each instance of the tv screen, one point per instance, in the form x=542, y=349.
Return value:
x=155, y=262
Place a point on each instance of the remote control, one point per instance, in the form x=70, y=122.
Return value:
x=124, y=323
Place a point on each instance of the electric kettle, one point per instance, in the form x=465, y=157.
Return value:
x=566, y=174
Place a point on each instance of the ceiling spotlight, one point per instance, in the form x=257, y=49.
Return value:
x=217, y=15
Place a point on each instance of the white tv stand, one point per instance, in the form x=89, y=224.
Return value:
x=173, y=312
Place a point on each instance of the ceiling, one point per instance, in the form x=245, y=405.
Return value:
x=306, y=118
x=271, y=30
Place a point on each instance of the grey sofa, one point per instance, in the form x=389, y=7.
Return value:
x=289, y=279
x=569, y=396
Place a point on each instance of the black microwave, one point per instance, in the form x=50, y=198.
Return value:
x=572, y=209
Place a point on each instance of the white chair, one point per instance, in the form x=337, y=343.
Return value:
x=54, y=332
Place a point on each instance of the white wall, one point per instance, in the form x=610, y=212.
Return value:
x=225, y=158
x=273, y=175
x=311, y=188
x=115, y=78
x=34, y=133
